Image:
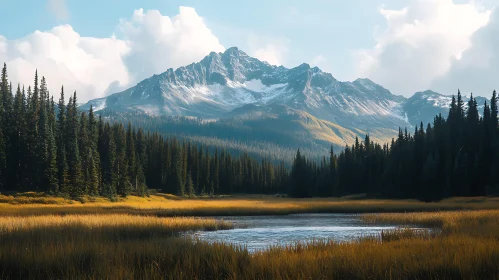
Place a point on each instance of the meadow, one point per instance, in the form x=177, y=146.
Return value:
x=127, y=240
x=165, y=205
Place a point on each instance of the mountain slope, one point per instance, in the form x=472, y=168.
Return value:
x=301, y=106
x=223, y=82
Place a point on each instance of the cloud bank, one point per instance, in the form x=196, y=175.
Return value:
x=158, y=42
x=148, y=43
x=421, y=44
x=477, y=70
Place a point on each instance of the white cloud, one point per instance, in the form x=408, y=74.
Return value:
x=149, y=44
x=419, y=43
x=477, y=69
x=87, y=65
x=59, y=9
x=159, y=42
x=272, y=50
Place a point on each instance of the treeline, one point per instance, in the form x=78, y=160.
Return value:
x=58, y=149
x=456, y=156
x=263, y=138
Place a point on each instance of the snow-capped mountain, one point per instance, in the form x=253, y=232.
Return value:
x=235, y=85
x=223, y=82
x=424, y=106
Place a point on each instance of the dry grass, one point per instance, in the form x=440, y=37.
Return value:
x=153, y=225
x=103, y=245
x=476, y=223
x=169, y=205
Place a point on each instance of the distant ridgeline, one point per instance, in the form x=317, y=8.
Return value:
x=58, y=149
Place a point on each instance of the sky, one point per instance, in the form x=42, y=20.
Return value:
x=101, y=47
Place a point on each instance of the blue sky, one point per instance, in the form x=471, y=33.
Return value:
x=312, y=28
x=379, y=39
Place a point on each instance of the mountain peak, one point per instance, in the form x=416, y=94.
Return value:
x=224, y=81
x=234, y=51
x=425, y=94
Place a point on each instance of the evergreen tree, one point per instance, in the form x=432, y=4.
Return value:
x=494, y=111
x=16, y=174
x=51, y=172
x=333, y=173
x=123, y=186
x=216, y=173
x=107, y=150
x=61, y=142
x=75, y=178
x=131, y=157
x=3, y=122
x=178, y=183
x=298, y=177
x=189, y=186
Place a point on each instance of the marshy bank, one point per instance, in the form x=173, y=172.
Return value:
x=96, y=241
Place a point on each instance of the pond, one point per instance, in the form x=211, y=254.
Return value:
x=260, y=232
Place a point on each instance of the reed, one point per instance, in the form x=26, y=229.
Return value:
x=57, y=253
x=169, y=205
x=461, y=245
x=483, y=223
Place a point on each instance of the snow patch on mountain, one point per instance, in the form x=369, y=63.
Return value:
x=222, y=83
x=257, y=86
x=100, y=104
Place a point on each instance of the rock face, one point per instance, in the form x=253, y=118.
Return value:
x=235, y=85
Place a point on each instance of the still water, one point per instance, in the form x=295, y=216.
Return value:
x=260, y=232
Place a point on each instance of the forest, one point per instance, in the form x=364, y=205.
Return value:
x=456, y=156
x=258, y=138
x=58, y=149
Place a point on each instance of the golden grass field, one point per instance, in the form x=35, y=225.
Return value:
x=169, y=205
x=37, y=242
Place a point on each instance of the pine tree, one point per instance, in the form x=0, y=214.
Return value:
x=494, y=111
x=85, y=148
x=178, y=182
x=189, y=186
x=73, y=155
x=61, y=142
x=207, y=175
x=6, y=121
x=33, y=137
x=3, y=140
x=333, y=173
x=131, y=157
x=51, y=178
x=298, y=177
x=16, y=171
x=216, y=173
x=92, y=173
x=42, y=178
x=107, y=150
x=141, y=149
x=123, y=186
x=460, y=106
